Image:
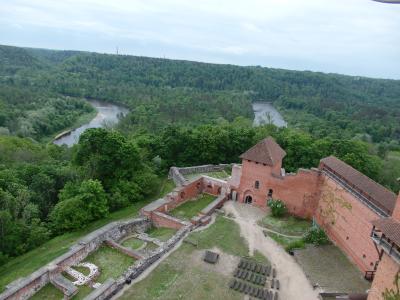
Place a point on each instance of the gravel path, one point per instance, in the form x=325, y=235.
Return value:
x=294, y=283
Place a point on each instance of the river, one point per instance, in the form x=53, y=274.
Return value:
x=108, y=114
x=265, y=113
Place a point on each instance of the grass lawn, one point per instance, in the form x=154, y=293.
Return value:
x=163, y=234
x=150, y=247
x=133, y=243
x=111, y=262
x=83, y=270
x=83, y=290
x=29, y=262
x=48, y=292
x=282, y=240
x=288, y=225
x=260, y=258
x=218, y=174
x=191, y=208
x=183, y=275
x=224, y=234
x=337, y=273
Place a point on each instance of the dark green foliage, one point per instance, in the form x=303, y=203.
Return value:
x=278, y=208
x=317, y=236
x=160, y=91
x=116, y=162
x=79, y=204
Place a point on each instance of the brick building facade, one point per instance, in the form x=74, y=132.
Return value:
x=343, y=201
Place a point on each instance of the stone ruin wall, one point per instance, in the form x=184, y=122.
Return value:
x=176, y=174
x=26, y=287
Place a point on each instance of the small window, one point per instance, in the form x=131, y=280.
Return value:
x=257, y=184
x=364, y=256
x=270, y=192
x=347, y=237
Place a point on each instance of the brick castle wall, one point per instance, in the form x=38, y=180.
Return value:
x=347, y=222
x=384, y=278
x=309, y=194
x=298, y=191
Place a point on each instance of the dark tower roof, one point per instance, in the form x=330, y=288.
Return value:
x=266, y=152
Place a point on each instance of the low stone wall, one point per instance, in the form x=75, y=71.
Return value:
x=179, y=195
x=127, y=251
x=65, y=285
x=202, y=169
x=176, y=174
x=214, y=186
x=217, y=203
x=163, y=220
x=141, y=265
x=105, y=291
x=26, y=287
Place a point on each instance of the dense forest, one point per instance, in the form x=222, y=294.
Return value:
x=181, y=113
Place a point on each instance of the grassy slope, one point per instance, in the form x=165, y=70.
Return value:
x=163, y=234
x=287, y=225
x=48, y=292
x=191, y=208
x=33, y=260
x=178, y=277
x=133, y=243
x=111, y=262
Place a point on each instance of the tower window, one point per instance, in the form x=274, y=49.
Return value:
x=257, y=184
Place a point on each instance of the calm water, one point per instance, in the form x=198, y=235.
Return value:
x=107, y=114
x=265, y=113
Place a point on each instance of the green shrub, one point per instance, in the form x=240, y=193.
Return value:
x=316, y=236
x=297, y=244
x=278, y=208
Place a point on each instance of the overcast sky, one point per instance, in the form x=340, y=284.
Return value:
x=357, y=37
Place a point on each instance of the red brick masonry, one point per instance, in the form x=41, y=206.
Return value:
x=339, y=198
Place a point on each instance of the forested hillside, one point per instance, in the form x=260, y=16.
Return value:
x=181, y=113
x=190, y=92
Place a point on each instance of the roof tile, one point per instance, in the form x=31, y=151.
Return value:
x=266, y=152
x=378, y=194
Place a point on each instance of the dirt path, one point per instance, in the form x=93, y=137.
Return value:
x=294, y=283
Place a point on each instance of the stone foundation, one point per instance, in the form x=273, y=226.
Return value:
x=26, y=287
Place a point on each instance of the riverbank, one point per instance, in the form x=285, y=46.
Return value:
x=80, y=121
x=108, y=114
x=266, y=113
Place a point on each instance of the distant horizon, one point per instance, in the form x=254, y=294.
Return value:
x=203, y=62
x=350, y=37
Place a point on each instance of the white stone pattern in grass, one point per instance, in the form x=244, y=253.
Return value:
x=82, y=279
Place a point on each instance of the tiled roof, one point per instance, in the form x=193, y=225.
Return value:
x=266, y=152
x=390, y=228
x=379, y=195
